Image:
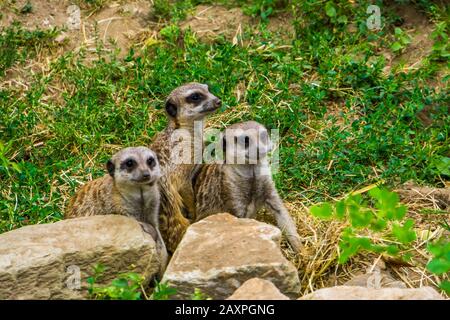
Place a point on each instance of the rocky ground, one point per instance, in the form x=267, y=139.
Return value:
x=223, y=256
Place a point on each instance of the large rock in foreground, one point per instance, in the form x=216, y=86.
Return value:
x=48, y=261
x=257, y=289
x=218, y=254
x=362, y=293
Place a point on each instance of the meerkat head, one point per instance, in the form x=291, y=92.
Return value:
x=134, y=166
x=191, y=102
x=247, y=140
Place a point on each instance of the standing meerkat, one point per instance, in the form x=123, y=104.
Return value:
x=186, y=107
x=130, y=189
x=245, y=186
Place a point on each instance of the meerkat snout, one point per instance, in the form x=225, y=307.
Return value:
x=217, y=102
x=134, y=165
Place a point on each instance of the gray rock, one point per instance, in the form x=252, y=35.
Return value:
x=53, y=261
x=218, y=254
x=377, y=277
x=362, y=293
x=257, y=289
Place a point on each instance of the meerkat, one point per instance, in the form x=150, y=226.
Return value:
x=244, y=185
x=186, y=108
x=130, y=188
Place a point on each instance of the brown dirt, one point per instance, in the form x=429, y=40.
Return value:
x=209, y=22
x=419, y=28
x=114, y=22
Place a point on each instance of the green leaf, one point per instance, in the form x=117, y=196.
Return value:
x=442, y=165
x=396, y=46
x=378, y=225
x=404, y=233
x=340, y=209
x=120, y=283
x=438, y=266
x=342, y=19
x=322, y=211
x=330, y=9
x=445, y=285
x=399, y=212
x=392, y=249
x=438, y=249
x=99, y=269
x=135, y=277
x=360, y=218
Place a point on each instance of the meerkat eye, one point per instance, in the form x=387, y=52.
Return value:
x=195, y=96
x=151, y=162
x=130, y=163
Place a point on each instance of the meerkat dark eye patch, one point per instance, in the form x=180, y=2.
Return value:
x=171, y=109
x=195, y=97
x=110, y=167
x=128, y=164
x=151, y=162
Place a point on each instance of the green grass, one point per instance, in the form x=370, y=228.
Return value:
x=51, y=145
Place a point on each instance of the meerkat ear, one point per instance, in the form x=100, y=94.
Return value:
x=110, y=167
x=171, y=109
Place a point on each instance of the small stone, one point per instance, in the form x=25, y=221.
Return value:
x=362, y=293
x=257, y=289
x=61, y=38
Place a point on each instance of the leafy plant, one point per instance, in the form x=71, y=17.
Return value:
x=127, y=286
x=199, y=295
x=442, y=166
x=6, y=166
x=263, y=8
x=17, y=44
x=402, y=39
x=332, y=12
x=441, y=46
x=440, y=263
x=171, y=10
x=385, y=222
x=27, y=8
x=163, y=291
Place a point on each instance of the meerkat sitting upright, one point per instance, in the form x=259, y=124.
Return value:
x=129, y=189
x=244, y=187
x=186, y=108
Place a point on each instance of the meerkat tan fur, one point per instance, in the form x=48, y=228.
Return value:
x=186, y=108
x=245, y=185
x=129, y=189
